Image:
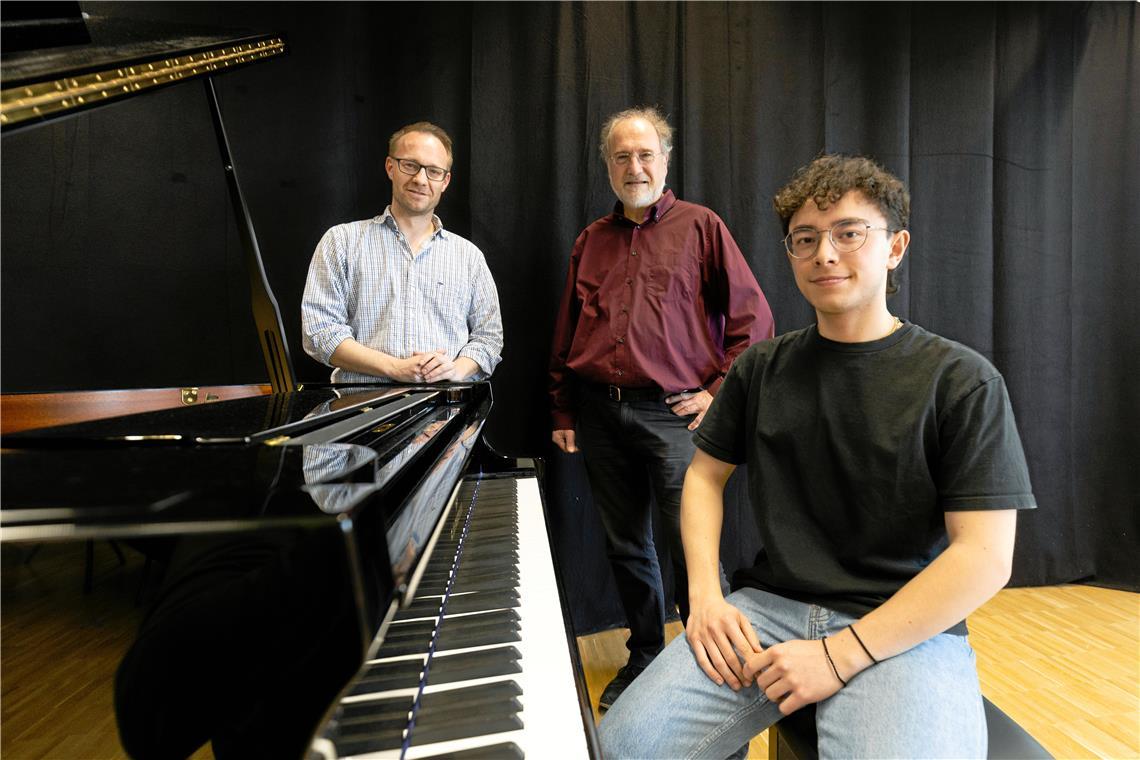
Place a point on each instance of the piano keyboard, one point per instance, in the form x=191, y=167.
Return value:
x=499, y=680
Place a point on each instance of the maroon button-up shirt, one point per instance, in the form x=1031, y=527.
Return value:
x=669, y=303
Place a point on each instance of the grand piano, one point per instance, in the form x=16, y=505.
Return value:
x=346, y=571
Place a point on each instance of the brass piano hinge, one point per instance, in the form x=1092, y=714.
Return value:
x=190, y=396
x=277, y=441
x=43, y=99
x=384, y=428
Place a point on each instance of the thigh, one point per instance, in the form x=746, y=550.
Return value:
x=618, y=481
x=666, y=444
x=674, y=710
x=923, y=703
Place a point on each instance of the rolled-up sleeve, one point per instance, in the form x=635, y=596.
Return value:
x=324, y=306
x=484, y=320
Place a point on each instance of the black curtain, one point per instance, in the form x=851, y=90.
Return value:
x=1015, y=126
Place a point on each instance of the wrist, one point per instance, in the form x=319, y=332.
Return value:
x=704, y=594
x=850, y=659
x=385, y=365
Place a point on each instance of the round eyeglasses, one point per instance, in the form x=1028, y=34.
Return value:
x=412, y=168
x=645, y=157
x=846, y=237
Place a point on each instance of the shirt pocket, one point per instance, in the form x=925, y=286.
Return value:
x=444, y=296
x=672, y=278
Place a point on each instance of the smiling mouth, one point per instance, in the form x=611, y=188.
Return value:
x=828, y=280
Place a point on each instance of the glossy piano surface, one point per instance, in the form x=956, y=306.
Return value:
x=302, y=535
x=292, y=457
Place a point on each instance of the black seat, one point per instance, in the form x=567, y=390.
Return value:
x=794, y=737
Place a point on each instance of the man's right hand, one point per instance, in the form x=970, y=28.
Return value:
x=720, y=635
x=564, y=439
x=408, y=370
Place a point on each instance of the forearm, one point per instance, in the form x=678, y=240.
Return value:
x=357, y=357
x=974, y=567
x=702, y=517
x=465, y=368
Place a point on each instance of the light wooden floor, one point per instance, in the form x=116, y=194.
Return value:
x=1062, y=661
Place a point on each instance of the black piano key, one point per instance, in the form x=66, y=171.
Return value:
x=498, y=581
x=387, y=676
x=478, y=725
x=472, y=559
x=490, y=721
x=506, y=751
x=447, y=669
x=467, y=573
x=505, y=561
x=498, y=627
x=463, y=603
x=430, y=715
x=478, y=637
x=490, y=693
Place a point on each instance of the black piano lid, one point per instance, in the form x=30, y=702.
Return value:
x=124, y=57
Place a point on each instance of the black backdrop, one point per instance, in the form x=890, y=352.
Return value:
x=1015, y=126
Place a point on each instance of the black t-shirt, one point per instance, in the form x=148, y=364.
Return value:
x=855, y=451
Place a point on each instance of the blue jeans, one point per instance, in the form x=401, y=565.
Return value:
x=923, y=703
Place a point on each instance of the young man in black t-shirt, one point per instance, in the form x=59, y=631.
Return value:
x=884, y=472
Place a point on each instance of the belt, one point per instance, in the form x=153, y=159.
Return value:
x=617, y=393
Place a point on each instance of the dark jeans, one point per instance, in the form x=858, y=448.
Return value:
x=630, y=448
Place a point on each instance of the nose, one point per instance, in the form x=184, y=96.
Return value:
x=825, y=250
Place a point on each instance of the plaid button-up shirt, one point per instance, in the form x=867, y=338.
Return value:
x=365, y=283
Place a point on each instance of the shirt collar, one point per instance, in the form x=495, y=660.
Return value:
x=656, y=211
x=387, y=219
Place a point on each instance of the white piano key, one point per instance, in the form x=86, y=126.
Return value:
x=551, y=715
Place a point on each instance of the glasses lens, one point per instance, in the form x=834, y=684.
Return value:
x=802, y=243
x=849, y=236
x=407, y=166
x=435, y=173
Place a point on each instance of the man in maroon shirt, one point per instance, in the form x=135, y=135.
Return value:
x=658, y=303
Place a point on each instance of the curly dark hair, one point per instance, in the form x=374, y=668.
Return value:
x=826, y=179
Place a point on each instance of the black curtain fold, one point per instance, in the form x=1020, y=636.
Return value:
x=1015, y=126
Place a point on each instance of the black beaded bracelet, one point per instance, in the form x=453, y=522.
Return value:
x=831, y=662
x=865, y=649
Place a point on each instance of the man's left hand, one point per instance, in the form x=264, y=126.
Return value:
x=684, y=404
x=439, y=368
x=792, y=674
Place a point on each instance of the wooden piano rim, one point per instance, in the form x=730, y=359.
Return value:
x=24, y=411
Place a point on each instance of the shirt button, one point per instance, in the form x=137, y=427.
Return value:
x=633, y=253
x=624, y=309
x=628, y=280
x=621, y=340
x=618, y=371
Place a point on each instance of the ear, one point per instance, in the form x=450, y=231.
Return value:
x=389, y=167
x=898, y=248
x=446, y=182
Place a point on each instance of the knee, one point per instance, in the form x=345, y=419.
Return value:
x=618, y=736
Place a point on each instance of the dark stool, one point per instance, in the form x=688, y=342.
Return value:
x=794, y=738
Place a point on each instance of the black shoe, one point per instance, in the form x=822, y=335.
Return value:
x=615, y=687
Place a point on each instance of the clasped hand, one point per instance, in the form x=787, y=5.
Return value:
x=425, y=367
x=791, y=674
